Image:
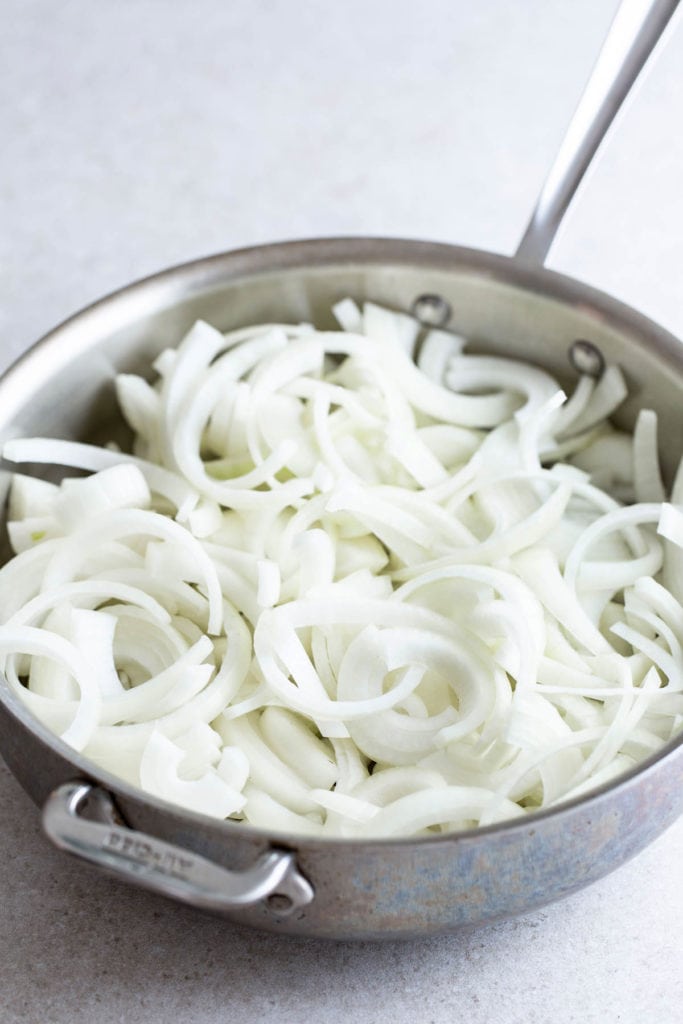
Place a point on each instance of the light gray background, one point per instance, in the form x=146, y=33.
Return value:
x=140, y=133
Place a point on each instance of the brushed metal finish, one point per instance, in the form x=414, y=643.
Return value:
x=635, y=31
x=164, y=868
x=390, y=888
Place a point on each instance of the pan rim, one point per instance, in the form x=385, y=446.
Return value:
x=200, y=273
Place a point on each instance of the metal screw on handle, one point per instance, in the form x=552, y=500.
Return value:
x=165, y=868
x=636, y=29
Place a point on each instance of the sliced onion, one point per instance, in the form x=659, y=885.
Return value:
x=388, y=604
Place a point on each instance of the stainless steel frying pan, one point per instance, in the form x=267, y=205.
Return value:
x=350, y=888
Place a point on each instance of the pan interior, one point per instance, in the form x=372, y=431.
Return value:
x=64, y=387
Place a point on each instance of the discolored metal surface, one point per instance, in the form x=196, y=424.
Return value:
x=395, y=888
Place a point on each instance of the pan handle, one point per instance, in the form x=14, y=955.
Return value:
x=165, y=868
x=636, y=29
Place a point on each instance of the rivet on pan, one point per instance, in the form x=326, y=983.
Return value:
x=431, y=310
x=586, y=358
x=279, y=903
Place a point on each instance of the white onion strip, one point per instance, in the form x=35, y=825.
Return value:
x=385, y=606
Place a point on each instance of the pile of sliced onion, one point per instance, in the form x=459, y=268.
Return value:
x=352, y=583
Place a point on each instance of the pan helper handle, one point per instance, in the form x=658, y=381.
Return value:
x=165, y=868
x=633, y=35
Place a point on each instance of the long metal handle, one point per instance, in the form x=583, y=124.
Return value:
x=165, y=868
x=637, y=27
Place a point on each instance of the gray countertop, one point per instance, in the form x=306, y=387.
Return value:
x=141, y=134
